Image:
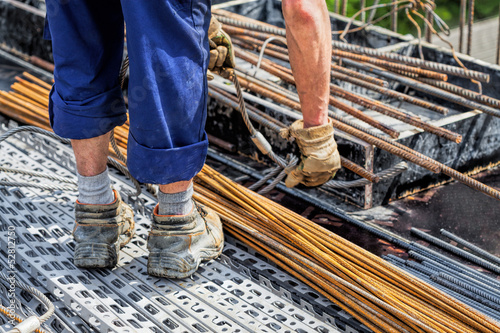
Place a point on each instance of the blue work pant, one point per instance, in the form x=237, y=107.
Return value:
x=168, y=49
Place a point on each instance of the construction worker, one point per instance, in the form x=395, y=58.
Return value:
x=168, y=47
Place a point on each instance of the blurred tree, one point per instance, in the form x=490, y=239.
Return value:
x=448, y=10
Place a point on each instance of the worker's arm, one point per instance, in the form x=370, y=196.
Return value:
x=308, y=34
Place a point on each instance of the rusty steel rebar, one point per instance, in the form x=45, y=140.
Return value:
x=365, y=82
x=271, y=86
x=23, y=102
x=428, y=30
x=463, y=17
x=277, y=125
x=420, y=86
x=37, y=80
x=22, y=114
x=241, y=43
x=285, y=75
x=362, y=5
x=363, y=77
x=470, y=24
x=253, y=59
x=392, y=93
x=480, y=98
x=241, y=18
x=279, y=98
x=258, y=30
x=464, y=179
x=281, y=53
x=26, y=99
x=224, y=99
x=391, y=65
x=416, y=62
x=386, y=146
x=359, y=170
x=275, y=96
x=374, y=105
x=30, y=94
x=393, y=113
x=498, y=40
x=33, y=86
x=394, y=16
x=362, y=116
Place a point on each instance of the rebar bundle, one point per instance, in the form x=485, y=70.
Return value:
x=378, y=294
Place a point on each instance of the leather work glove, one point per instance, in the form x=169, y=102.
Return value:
x=221, y=51
x=320, y=158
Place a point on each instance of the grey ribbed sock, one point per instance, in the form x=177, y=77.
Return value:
x=176, y=203
x=95, y=190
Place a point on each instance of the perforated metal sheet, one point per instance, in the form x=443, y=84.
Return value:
x=236, y=293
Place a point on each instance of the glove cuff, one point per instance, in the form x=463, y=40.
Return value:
x=312, y=136
x=214, y=28
x=298, y=131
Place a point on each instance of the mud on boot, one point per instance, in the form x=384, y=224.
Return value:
x=100, y=231
x=177, y=244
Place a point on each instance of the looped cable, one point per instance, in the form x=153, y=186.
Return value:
x=32, y=321
x=279, y=171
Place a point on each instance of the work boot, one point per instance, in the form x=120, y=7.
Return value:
x=101, y=231
x=177, y=244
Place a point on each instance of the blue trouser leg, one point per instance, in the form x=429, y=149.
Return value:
x=168, y=49
x=87, y=44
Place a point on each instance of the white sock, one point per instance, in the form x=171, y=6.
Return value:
x=95, y=190
x=179, y=203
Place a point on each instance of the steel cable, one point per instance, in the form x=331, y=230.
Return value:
x=38, y=295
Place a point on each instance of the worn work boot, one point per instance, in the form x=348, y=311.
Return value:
x=177, y=244
x=100, y=231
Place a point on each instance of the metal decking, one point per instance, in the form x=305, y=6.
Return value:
x=238, y=292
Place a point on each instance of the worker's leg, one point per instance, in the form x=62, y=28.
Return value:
x=94, y=184
x=86, y=100
x=168, y=49
x=85, y=104
x=308, y=33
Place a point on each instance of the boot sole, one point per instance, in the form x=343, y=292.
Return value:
x=96, y=255
x=102, y=255
x=167, y=264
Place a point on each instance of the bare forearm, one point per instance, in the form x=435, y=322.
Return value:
x=308, y=34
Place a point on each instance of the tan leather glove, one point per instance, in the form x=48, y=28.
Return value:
x=221, y=51
x=320, y=158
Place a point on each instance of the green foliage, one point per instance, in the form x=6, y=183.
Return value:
x=448, y=10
